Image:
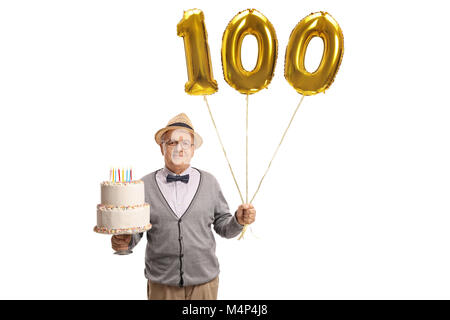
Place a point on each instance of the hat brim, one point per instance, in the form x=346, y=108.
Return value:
x=198, y=141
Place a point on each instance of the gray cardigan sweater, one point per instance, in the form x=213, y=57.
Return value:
x=181, y=251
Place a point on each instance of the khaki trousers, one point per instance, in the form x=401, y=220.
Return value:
x=204, y=291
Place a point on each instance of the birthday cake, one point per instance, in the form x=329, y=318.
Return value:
x=123, y=209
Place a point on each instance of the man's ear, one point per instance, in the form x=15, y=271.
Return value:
x=162, y=150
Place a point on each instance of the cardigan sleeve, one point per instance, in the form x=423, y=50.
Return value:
x=225, y=224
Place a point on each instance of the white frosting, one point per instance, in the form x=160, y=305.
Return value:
x=122, y=218
x=122, y=194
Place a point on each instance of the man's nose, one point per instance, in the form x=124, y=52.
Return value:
x=178, y=147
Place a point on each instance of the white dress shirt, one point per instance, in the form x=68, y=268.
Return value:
x=177, y=193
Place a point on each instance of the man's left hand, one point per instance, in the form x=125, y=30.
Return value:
x=246, y=214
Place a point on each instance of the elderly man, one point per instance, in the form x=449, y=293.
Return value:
x=180, y=259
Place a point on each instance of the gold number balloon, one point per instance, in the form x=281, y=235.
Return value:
x=322, y=25
x=198, y=60
x=249, y=22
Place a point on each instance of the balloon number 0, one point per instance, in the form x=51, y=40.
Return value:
x=252, y=22
x=249, y=22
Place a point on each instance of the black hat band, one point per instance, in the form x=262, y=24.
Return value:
x=180, y=124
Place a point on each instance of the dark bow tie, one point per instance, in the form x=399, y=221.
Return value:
x=172, y=178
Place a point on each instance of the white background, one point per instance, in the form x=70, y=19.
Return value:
x=355, y=205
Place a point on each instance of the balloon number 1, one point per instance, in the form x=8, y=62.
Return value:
x=198, y=60
x=252, y=22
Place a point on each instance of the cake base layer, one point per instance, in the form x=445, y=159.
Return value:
x=123, y=218
x=104, y=230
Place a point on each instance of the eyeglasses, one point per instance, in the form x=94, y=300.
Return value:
x=185, y=144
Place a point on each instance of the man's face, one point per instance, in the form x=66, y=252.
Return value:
x=177, y=148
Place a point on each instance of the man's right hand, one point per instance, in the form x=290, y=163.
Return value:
x=120, y=242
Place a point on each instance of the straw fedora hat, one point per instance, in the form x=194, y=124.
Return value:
x=180, y=121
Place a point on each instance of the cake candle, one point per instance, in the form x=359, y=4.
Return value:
x=119, y=173
x=131, y=174
x=123, y=176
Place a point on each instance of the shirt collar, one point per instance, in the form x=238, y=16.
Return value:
x=166, y=171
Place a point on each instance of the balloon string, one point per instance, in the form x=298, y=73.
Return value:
x=246, y=150
x=254, y=234
x=270, y=163
x=223, y=148
x=246, y=161
x=282, y=138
